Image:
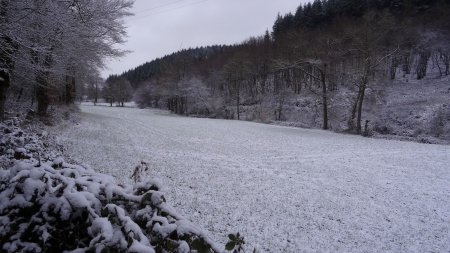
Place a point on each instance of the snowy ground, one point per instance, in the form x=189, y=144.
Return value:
x=284, y=189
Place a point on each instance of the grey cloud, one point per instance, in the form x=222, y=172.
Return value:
x=155, y=33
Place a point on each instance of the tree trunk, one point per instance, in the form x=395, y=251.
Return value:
x=436, y=59
x=406, y=64
x=446, y=59
x=280, y=106
x=422, y=65
x=4, y=85
x=43, y=99
x=20, y=94
x=96, y=94
x=70, y=90
x=324, y=100
x=362, y=91
x=366, y=129
x=5, y=62
x=42, y=93
x=351, y=121
x=238, y=101
x=33, y=96
x=43, y=87
x=393, y=67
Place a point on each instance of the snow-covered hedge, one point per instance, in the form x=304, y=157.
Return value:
x=49, y=205
x=32, y=143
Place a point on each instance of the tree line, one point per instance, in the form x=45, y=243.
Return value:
x=321, y=48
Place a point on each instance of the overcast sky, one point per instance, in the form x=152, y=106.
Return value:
x=161, y=27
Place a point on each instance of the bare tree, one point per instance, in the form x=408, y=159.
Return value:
x=94, y=87
x=315, y=64
x=108, y=92
x=236, y=72
x=197, y=94
x=122, y=90
x=371, y=43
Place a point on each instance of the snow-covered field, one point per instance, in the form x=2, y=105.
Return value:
x=285, y=189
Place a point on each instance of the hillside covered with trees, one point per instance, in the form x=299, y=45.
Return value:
x=330, y=64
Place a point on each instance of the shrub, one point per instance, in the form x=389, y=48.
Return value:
x=50, y=205
x=59, y=207
x=63, y=207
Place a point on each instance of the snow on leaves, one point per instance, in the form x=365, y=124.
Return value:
x=55, y=206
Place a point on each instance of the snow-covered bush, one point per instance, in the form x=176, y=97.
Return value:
x=59, y=207
x=18, y=143
x=49, y=205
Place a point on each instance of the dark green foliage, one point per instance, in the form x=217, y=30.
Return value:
x=283, y=23
x=178, y=61
x=318, y=12
x=235, y=243
x=201, y=246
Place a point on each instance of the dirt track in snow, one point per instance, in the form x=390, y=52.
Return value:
x=284, y=189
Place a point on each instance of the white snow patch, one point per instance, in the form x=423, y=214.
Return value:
x=103, y=227
x=21, y=150
x=284, y=189
x=138, y=247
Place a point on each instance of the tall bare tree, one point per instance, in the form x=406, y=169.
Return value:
x=370, y=43
x=58, y=41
